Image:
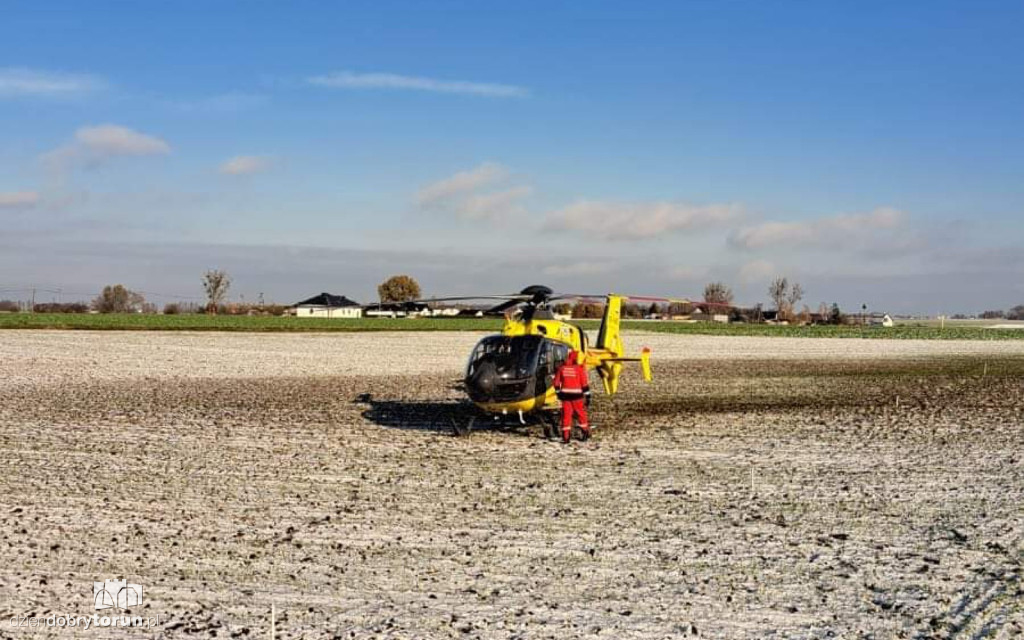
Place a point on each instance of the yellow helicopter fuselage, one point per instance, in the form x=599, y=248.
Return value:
x=606, y=357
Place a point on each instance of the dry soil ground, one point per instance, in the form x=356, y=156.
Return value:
x=758, y=488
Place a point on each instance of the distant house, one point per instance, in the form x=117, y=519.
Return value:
x=327, y=305
x=396, y=310
x=880, y=320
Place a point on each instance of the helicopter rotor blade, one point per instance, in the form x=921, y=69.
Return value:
x=601, y=298
x=518, y=297
x=504, y=306
x=537, y=295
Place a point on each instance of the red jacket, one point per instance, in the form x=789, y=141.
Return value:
x=571, y=378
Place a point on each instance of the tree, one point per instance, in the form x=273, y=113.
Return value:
x=785, y=296
x=679, y=309
x=823, y=312
x=117, y=299
x=61, y=307
x=632, y=311
x=993, y=314
x=216, y=284
x=398, y=289
x=718, y=293
x=587, y=310
x=836, y=316
x=777, y=291
x=796, y=294
x=1016, y=313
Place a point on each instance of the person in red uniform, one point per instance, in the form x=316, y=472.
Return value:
x=574, y=391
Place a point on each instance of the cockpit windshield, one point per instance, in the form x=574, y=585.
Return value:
x=512, y=357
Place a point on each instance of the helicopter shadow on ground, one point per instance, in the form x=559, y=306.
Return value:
x=455, y=417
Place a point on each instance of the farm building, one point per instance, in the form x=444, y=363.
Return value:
x=396, y=310
x=327, y=305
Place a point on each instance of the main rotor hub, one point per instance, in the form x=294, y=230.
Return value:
x=540, y=293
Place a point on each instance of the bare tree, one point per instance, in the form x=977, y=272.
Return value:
x=718, y=293
x=795, y=295
x=137, y=303
x=216, y=284
x=778, y=291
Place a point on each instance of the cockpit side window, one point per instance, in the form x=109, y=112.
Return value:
x=561, y=354
x=544, y=358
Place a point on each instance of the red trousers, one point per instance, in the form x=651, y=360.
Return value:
x=577, y=406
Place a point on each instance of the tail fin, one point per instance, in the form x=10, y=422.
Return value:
x=608, y=337
x=645, y=363
x=609, y=340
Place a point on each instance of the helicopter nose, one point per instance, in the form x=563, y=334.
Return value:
x=484, y=379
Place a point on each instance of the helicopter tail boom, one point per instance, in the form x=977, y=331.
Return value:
x=644, y=360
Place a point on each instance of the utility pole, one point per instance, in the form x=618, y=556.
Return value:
x=32, y=308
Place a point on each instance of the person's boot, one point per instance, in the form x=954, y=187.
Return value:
x=584, y=433
x=566, y=435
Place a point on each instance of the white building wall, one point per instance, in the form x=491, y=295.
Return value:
x=328, y=312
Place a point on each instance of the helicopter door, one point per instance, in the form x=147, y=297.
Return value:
x=545, y=367
x=552, y=356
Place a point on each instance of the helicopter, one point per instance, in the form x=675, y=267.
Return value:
x=511, y=372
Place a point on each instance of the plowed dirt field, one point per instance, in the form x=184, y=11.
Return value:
x=758, y=488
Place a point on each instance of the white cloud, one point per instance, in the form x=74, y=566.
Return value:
x=242, y=165
x=16, y=82
x=18, y=199
x=625, y=221
x=461, y=183
x=95, y=144
x=352, y=80
x=827, y=231
x=583, y=268
x=113, y=140
x=470, y=194
x=757, y=271
x=494, y=205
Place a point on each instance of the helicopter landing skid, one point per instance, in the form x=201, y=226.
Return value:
x=460, y=429
x=507, y=422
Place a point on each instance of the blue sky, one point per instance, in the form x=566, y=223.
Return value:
x=872, y=151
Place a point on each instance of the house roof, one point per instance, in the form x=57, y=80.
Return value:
x=328, y=300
